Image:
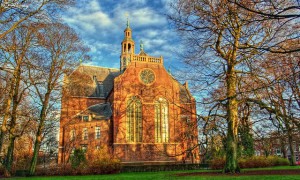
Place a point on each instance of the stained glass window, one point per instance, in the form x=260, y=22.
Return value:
x=134, y=120
x=161, y=121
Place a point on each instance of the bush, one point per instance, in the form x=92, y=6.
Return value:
x=1, y=170
x=251, y=162
x=78, y=158
x=101, y=161
x=254, y=162
x=278, y=161
x=217, y=163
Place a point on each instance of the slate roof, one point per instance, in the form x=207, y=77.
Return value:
x=100, y=111
x=91, y=81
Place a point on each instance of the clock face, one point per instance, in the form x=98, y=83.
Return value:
x=147, y=76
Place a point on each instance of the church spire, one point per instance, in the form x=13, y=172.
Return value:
x=127, y=47
x=128, y=22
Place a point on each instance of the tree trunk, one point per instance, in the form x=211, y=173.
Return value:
x=39, y=137
x=231, y=165
x=9, y=157
x=7, y=106
x=4, y=121
x=290, y=139
x=12, y=136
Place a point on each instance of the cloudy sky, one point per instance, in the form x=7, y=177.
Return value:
x=101, y=23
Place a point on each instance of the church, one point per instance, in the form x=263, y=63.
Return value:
x=140, y=112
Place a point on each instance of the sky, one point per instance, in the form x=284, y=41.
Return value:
x=101, y=24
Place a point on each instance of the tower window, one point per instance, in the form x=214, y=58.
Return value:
x=129, y=48
x=124, y=48
x=161, y=121
x=134, y=120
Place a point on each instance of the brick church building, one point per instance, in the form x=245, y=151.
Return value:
x=140, y=112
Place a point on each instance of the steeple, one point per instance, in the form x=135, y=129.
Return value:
x=127, y=47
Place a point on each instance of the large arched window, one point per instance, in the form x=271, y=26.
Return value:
x=134, y=120
x=161, y=121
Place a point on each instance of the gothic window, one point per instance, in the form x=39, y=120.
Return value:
x=85, y=134
x=161, y=121
x=97, y=132
x=134, y=120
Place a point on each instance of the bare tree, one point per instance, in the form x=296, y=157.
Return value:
x=14, y=13
x=223, y=41
x=280, y=10
x=17, y=45
x=59, y=52
x=276, y=95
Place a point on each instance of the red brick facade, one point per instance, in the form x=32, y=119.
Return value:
x=144, y=114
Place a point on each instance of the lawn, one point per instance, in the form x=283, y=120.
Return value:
x=174, y=175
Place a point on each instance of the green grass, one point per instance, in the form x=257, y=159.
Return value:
x=171, y=175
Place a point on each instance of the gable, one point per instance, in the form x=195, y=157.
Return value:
x=90, y=81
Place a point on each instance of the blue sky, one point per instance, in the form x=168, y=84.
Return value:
x=100, y=24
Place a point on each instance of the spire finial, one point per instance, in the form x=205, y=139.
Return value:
x=127, y=15
x=141, y=46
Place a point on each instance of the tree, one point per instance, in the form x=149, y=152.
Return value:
x=59, y=51
x=17, y=46
x=278, y=10
x=223, y=40
x=278, y=94
x=14, y=13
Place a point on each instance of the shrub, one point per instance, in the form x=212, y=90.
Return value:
x=217, y=163
x=254, y=162
x=251, y=162
x=101, y=161
x=78, y=158
x=60, y=170
x=1, y=170
x=278, y=161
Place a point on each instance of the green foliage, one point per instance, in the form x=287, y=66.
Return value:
x=278, y=161
x=251, y=162
x=246, y=144
x=78, y=158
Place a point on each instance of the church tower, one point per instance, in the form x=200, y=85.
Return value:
x=127, y=48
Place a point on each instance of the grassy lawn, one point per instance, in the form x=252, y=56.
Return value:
x=171, y=175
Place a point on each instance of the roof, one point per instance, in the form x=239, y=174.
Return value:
x=100, y=111
x=91, y=81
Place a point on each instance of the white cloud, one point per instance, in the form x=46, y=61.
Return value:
x=101, y=24
x=89, y=17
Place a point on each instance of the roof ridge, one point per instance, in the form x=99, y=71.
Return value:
x=98, y=66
